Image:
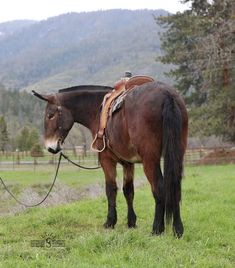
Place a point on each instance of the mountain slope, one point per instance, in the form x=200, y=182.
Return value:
x=11, y=27
x=81, y=48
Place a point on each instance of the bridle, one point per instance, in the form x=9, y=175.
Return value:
x=61, y=137
x=60, y=120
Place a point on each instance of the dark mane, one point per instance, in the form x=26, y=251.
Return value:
x=85, y=88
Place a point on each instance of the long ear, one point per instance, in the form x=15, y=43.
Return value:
x=40, y=96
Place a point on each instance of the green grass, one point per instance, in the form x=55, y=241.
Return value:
x=38, y=182
x=207, y=211
x=68, y=174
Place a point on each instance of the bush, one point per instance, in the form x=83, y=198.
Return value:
x=36, y=150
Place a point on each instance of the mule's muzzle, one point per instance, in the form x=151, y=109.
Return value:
x=54, y=149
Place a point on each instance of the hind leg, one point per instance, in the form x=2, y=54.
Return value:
x=154, y=176
x=178, y=228
x=109, y=168
x=128, y=190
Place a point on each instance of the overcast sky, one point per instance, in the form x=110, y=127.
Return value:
x=42, y=9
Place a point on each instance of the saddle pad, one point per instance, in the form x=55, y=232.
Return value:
x=117, y=104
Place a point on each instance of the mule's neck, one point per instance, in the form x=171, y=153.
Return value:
x=85, y=107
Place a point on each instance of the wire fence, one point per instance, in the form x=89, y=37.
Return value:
x=18, y=160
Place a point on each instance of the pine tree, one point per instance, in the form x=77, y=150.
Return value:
x=3, y=134
x=200, y=43
x=27, y=139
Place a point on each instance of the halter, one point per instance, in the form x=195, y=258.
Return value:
x=60, y=123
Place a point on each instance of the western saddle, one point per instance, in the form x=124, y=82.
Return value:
x=121, y=88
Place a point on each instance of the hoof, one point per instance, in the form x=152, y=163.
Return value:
x=109, y=224
x=131, y=223
x=158, y=228
x=178, y=230
x=158, y=231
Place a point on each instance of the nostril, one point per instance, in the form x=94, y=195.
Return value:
x=50, y=150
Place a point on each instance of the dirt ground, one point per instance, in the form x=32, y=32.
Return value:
x=61, y=194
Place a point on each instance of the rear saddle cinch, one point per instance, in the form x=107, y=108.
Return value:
x=121, y=88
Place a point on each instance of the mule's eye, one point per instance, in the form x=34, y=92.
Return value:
x=50, y=116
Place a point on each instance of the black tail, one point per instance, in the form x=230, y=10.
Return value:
x=172, y=153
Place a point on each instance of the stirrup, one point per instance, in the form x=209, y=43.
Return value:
x=95, y=149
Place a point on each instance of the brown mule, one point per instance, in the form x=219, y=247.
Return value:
x=151, y=124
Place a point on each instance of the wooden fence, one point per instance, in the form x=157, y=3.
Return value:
x=196, y=156
x=210, y=156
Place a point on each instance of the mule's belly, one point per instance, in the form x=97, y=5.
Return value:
x=126, y=152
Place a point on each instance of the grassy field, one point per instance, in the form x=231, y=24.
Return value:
x=72, y=235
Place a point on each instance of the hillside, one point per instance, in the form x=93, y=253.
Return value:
x=81, y=48
x=9, y=28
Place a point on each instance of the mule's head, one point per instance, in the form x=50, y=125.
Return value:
x=58, y=120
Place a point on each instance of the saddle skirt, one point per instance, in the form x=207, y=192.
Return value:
x=113, y=101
